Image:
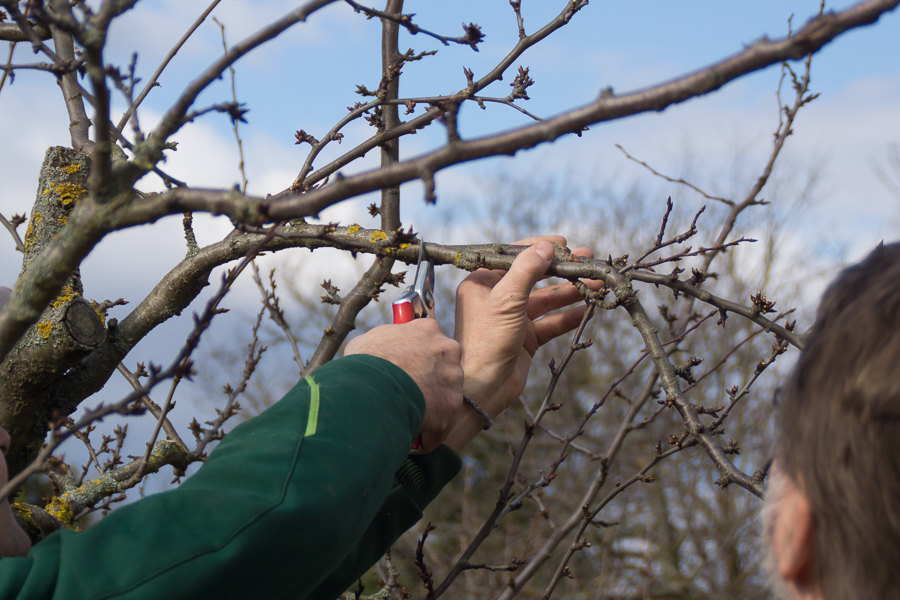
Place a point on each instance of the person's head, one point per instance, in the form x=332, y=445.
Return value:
x=833, y=511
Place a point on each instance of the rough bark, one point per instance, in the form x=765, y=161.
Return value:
x=68, y=329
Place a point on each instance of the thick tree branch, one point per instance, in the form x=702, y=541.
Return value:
x=68, y=329
x=11, y=32
x=169, y=298
x=814, y=35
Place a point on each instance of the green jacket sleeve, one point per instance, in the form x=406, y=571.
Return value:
x=285, y=502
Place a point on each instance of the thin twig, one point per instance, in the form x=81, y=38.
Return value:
x=152, y=82
x=590, y=515
x=215, y=432
x=471, y=38
x=20, y=246
x=679, y=180
x=237, y=135
x=171, y=432
x=271, y=302
x=8, y=69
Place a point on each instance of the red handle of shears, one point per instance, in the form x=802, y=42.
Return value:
x=403, y=313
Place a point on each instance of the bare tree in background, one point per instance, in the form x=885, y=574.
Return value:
x=660, y=402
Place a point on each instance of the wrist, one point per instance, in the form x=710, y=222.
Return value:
x=488, y=397
x=468, y=424
x=473, y=418
x=485, y=418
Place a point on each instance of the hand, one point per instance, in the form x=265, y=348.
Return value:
x=495, y=323
x=433, y=362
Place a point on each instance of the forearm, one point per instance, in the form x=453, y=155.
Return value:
x=274, y=511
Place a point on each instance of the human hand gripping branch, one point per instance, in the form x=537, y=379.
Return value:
x=498, y=330
x=499, y=326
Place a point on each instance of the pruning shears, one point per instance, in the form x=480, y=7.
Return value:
x=417, y=302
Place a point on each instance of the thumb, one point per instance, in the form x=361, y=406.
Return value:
x=525, y=271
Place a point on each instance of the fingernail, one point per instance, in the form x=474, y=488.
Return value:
x=544, y=250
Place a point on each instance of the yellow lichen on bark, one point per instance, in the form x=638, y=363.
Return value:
x=46, y=328
x=67, y=294
x=68, y=193
x=377, y=236
x=73, y=168
x=353, y=228
x=24, y=512
x=59, y=508
x=29, y=231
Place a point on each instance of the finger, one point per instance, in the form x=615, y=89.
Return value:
x=489, y=277
x=551, y=298
x=583, y=252
x=553, y=326
x=526, y=270
x=553, y=239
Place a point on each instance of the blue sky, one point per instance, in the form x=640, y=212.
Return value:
x=307, y=77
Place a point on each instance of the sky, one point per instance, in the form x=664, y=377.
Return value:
x=305, y=79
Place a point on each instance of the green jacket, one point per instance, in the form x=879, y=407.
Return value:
x=295, y=503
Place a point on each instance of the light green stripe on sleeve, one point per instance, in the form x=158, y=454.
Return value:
x=313, y=418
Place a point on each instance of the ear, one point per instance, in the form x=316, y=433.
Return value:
x=793, y=537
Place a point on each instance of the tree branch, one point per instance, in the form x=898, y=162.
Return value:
x=814, y=35
x=674, y=396
x=11, y=32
